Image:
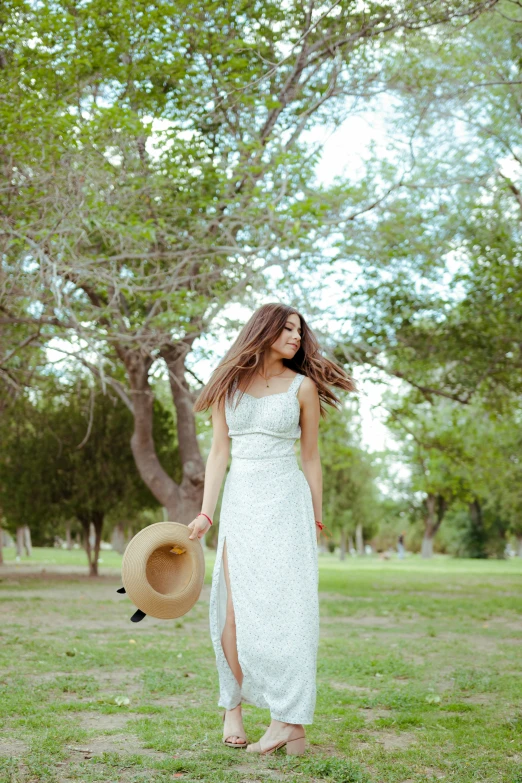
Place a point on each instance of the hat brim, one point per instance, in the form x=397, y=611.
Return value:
x=159, y=582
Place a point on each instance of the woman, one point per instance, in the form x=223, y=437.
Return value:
x=264, y=612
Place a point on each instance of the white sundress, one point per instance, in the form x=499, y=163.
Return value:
x=267, y=520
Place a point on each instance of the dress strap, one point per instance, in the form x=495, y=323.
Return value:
x=296, y=383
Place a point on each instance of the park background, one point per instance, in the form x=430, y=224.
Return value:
x=167, y=168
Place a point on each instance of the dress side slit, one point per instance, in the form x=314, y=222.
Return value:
x=229, y=631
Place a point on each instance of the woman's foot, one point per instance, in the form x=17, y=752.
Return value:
x=277, y=732
x=233, y=731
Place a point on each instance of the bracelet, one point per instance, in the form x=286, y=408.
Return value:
x=202, y=514
x=321, y=527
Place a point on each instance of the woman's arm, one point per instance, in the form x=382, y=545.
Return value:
x=215, y=470
x=308, y=397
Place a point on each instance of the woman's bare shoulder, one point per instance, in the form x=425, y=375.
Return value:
x=307, y=391
x=307, y=384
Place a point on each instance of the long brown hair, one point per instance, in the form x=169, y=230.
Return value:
x=244, y=357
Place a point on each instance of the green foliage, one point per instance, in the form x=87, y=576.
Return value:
x=67, y=455
x=155, y=167
x=154, y=154
x=466, y=457
x=350, y=495
x=437, y=302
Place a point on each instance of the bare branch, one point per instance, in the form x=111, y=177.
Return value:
x=91, y=419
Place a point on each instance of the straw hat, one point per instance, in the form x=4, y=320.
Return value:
x=163, y=571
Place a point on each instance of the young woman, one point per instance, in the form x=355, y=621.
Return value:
x=264, y=613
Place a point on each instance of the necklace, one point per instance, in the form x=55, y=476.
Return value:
x=272, y=376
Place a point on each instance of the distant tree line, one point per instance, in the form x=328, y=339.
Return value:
x=156, y=169
x=66, y=459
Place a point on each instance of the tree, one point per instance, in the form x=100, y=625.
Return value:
x=463, y=457
x=439, y=303
x=155, y=170
x=350, y=497
x=69, y=456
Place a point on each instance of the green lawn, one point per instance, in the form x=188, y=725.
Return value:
x=44, y=556
x=419, y=679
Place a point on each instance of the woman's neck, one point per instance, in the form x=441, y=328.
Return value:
x=272, y=367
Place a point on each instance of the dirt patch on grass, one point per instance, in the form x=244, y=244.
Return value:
x=12, y=748
x=253, y=773
x=371, y=714
x=46, y=676
x=101, y=722
x=476, y=642
x=437, y=773
x=52, y=621
x=416, y=660
x=502, y=622
x=117, y=679
x=122, y=744
x=176, y=702
x=346, y=686
x=447, y=684
x=393, y=740
x=376, y=620
x=485, y=699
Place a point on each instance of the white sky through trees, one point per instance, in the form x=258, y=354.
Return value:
x=343, y=151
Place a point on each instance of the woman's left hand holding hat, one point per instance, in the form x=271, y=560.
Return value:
x=199, y=526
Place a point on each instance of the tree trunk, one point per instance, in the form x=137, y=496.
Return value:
x=476, y=540
x=435, y=510
x=68, y=537
x=427, y=545
x=28, y=544
x=191, y=488
x=118, y=539
x=86, y=527
x=92, y=547
x=359, y=543
x=19, y=541
x=519, y=541
x=98, y=527
x=475, y=512
x=350, y=544
x=1, y=546
x=342, y=547
x=162, y=486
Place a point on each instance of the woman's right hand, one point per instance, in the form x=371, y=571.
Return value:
x=198, y=526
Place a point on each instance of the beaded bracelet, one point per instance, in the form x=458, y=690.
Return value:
x=319, y=524
x=202, y=514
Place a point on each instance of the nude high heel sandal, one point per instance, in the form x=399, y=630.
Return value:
x=234, y=744
x=295, y=746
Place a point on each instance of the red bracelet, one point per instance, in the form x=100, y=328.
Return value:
x=321, y=528
x=202, y=514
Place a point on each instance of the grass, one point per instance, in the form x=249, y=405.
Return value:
x=419, y=679
x=46, y=556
